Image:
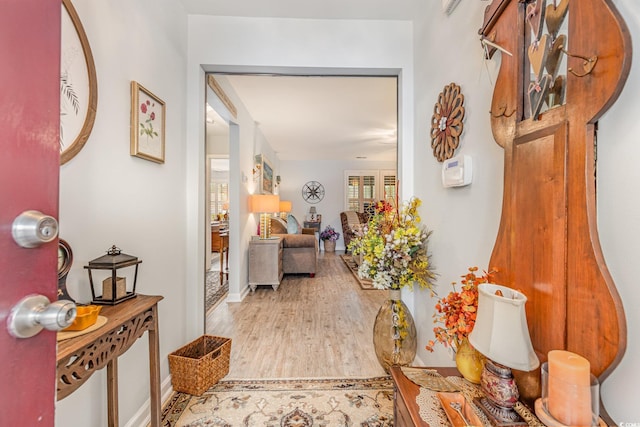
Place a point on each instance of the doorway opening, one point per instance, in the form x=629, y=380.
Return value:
x=217, y=210
x=291, y=169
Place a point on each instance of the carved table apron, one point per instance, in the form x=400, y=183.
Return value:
x=78, y=358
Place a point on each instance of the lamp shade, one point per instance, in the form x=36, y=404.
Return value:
x=285, y=206
x=312, y=210
x=500, y=331
x=264, y=203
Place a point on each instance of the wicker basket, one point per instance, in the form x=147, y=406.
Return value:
x=200, y=364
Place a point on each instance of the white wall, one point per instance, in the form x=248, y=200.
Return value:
x=134, y=41
x=109, y=197
x=284, y=45
x=330, y=173
x=619, y=220
x=465, y=221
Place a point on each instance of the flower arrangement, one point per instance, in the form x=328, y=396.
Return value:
x=329, y=233
x=394, y=248
x=457, y=311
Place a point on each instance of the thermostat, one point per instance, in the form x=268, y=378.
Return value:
x=456, y=171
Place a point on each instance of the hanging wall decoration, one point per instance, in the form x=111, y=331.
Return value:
x=78, y=85
x=313, y=192
x=147, y=124
x=446, y=123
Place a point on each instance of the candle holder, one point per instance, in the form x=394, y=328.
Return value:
x=587, y=395
x=114, y=288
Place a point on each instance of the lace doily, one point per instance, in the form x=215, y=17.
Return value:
x=431, y=410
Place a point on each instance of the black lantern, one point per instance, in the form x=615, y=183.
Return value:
x=114, y=288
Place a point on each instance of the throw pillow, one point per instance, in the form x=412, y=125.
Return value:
x=278, y=226
x=293, y=226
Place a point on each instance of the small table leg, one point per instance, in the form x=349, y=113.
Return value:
x=154, y=370
x=112, y=392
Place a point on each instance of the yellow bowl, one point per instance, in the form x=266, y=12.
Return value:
x=86, y=316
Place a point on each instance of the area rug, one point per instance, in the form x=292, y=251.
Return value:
x=214, y=292
x=285, y=403
x=353, y=267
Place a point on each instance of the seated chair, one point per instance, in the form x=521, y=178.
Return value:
x=352, y=223
x=300, y=250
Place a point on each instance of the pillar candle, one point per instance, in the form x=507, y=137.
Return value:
x=569, y=393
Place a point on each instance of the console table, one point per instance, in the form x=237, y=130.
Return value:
x=78, y=358
x=406, y=412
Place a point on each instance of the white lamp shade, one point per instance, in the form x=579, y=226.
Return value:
x=264, y=203
x=501, y=331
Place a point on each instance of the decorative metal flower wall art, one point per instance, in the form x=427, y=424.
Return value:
x=446, y=123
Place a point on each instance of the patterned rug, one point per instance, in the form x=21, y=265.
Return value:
x=353, y=267
x=213, y=291
x=285, y=403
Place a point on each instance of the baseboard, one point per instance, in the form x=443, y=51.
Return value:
x=142, y=417
x=238, y=296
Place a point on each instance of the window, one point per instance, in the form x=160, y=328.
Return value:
x=219, y=197
x=364, y=189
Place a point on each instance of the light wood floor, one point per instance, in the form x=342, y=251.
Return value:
x=308, y=328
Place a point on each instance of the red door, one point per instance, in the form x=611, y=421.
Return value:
x=29, y=168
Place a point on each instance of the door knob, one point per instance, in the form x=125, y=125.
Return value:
x=34, y=313
x=31, y=229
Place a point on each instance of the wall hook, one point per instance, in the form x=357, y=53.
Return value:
x=587, y=64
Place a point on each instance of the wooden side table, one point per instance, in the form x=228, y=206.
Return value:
x=78, y=358
x=316, y=226
x=405, y=409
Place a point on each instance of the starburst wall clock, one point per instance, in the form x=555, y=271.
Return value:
x=446, y=122
x=313, y=192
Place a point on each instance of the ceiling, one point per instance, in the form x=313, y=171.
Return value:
x=319, y=117
x=323, y=117
x=327, y=9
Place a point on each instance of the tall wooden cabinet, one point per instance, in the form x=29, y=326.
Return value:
x=568, y=62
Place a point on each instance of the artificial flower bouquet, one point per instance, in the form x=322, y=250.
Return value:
x=329, y=233
x=456, y=313
x=394, y=248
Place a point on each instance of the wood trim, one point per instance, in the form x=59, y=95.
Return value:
x=217, y=89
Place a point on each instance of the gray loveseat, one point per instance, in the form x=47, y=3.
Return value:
x=300, y=251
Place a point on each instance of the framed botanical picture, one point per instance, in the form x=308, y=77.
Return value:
x=78, y=85
x=147, y=124
x=266, y=174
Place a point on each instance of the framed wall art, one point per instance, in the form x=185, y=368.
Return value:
x=78, y=85
x=147, y=124
x=265, y=170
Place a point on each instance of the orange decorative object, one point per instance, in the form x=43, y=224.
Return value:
x=569, y=388
x=85, y=317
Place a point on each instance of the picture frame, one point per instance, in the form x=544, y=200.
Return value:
x=78, y=84
x=266, y=174
x=147, y=124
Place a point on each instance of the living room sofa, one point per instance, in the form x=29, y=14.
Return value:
x=300, y=250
